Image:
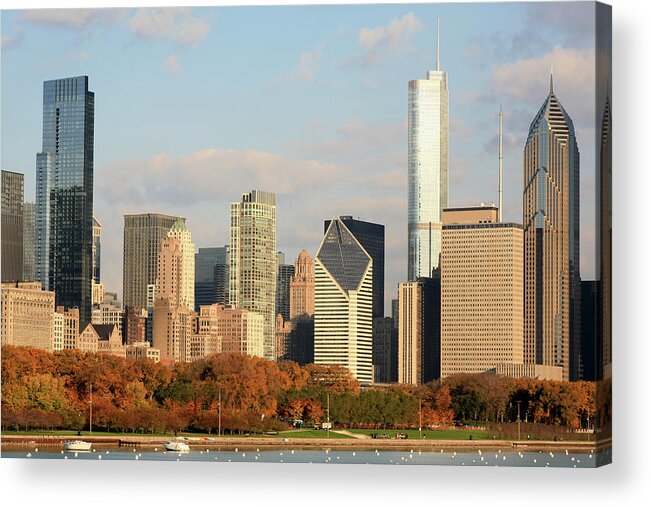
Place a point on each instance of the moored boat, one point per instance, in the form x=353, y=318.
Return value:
x=77, y=445
x=176, y=446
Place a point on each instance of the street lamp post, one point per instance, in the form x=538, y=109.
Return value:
x=518, y=402
x=219, y=416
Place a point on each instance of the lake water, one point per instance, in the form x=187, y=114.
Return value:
x=333, y=456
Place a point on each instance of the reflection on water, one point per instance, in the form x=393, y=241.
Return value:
x=373, y=457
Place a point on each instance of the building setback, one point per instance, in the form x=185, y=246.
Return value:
x=552, y=296
x=64, y=193
x=343, y=303
x=12, y=226
x=142, y=237
x=427, y=124
x=252, y=273
x=481, y=292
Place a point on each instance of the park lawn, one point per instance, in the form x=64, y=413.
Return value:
x=432, y=434
x=73, y=433
x=308, y=434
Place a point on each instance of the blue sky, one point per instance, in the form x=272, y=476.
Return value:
x=196, y=106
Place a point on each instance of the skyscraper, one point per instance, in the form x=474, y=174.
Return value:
x=552, y=295
x=252, y=274
x=28, y=241
x=371, y=237
x=343, y=303
x=180, y=232
x=301, y=287
x=142, y=237
x=606, y=240
x=97, y=249
x=64, y=193
x=210, y=276
x=285, y=272
x=12, y=226
x=427, y=119
x=481, y=291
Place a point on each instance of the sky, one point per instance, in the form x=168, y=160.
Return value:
x=195, y=106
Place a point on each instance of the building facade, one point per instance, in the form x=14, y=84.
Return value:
x=12, y=226
x=385, y=350
x=181, y=233
x=97, y=249
x=252, y=273
x=143, y=234
x=64, y=193
x=28, y=242
x=284, y=275
x=481, y=295
x=301, y=287
x=134, y=325
x=551, y=241
x=27, y=315
x=427, y=160
x=142, y=350
x=343, y=303
x=211, y=276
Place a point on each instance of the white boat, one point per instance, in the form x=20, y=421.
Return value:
x=77, y=445
x=176, y=446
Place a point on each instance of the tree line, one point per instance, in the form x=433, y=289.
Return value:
x=245, y=394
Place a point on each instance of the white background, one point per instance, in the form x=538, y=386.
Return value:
x=625, y=482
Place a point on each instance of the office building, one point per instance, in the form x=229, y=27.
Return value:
x=552, y=295
x=27, y=315
x=428, y=125
x=181, y=233
x=481, y=291
x=343, y=303
x=301, y=287
x=12, y=226
x=64, y=193
x=285, y=272
x=97, y=249
x=252, y=273
x=591, y=332
x=210, y=276
x=28, y=242
x=385, y=350
x=134, y=325
x=142, y=350
x=142, y=238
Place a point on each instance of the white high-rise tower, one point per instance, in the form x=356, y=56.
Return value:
x=428, y=169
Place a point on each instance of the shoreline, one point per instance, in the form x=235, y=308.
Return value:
x=267, y=443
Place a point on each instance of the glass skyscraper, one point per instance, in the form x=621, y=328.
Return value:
x=64, y=193
x=427, y=119
x=552, y=294
x=211, y=276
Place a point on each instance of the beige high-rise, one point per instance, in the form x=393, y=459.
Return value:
x=252, y=275
x=301, y=287
x=142, y=236
x=27, y=315
x=410, y=333
x=240, y=331
x=481, y=293
x=181, y=233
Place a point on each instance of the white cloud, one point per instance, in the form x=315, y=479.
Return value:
x=381, y=41
x=177, y=24
x=527, y=80
x=308, y=64
x=73, y=18
x=173, y=65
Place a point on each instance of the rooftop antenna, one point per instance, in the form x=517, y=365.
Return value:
x=438, y=44
x=499, y=210
x=551, y=80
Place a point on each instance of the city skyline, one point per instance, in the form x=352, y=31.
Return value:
x=357, y=149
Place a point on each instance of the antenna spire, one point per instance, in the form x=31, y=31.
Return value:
x=499, y=210
x=551, y=80
x=438, y=44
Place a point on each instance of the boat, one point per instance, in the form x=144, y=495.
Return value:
x=77, y=445
x=176, y=446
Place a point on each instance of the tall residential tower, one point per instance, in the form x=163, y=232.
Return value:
x=427, y=118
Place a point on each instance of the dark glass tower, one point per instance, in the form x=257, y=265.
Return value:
x=552, y=296
x=283, y=277
x=64, y=193
x=12, y=226
x=371, y=237
x=210, y=276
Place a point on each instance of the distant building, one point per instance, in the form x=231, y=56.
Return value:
x=481, y=291
x=172, y=331
x=533, y=371
x=241, y=331
x=12, y=226
x=343, y=303
x=252, y=273
x=102, y=339
x=210, y=276
x=301, y=287
x=28, y=242
x=181, y=233
x=98, y=293
x=70, y=326
x=27, y=315
x=551, y=201
x=108, y=312
x=591, y=332
x=207, y=338
x=142, y=350
x=97, y=249
x=385, y=350
x=284, y=275
x=142, y=237
x=419, y=333
x=283, y=333
x=64, y=193
x=134, y=325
